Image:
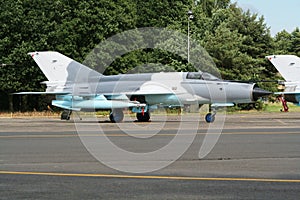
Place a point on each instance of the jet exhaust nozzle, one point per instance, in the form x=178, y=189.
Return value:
x=258, y=92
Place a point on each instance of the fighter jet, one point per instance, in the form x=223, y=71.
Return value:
x=289, y=68
x=79, y=88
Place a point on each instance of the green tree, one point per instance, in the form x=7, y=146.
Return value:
x=238, y=41
x=71, y=27
x=295, y=42
x=282, y=43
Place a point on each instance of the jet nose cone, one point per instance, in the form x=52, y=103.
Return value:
x=258, y=92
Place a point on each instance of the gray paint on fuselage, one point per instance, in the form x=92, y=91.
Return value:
x=87, y=81
x=79, y=73
x=220, y=91
x=131, y=83
x=124, y=83
x=127, y=77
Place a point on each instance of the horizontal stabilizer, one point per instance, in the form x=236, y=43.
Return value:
x=287, y=92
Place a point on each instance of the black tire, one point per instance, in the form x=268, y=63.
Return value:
x=116, y=116
x=143, y=117
x=210, y=118
x=65, y=115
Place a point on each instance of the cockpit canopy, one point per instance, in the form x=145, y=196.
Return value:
x=201, y=76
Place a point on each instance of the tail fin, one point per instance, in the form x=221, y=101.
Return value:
x=60, y=68
x=287, y=65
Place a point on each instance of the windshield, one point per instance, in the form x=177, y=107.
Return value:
x=201, y=76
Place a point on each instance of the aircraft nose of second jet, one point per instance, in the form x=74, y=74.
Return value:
x=258, y=92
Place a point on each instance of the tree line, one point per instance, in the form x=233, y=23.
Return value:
x=237, y=40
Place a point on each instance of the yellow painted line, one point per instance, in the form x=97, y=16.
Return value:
x=139, y=134
x=185, y=178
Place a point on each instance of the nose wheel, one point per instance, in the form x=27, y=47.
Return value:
x=210, y=117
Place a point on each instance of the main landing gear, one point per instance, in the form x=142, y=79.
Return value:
x=142, y=113
x=143, y=117
x=65, y=115
x=116, y=115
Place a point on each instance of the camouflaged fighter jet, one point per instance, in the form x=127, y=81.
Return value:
x=79, y=88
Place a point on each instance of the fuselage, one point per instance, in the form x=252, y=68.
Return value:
x=176, y=88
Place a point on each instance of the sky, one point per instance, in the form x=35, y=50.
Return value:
x=278, y=14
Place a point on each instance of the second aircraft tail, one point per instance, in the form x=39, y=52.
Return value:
x=287, y=65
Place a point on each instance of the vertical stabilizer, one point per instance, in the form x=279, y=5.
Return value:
x=60, y=68
x=287, y=65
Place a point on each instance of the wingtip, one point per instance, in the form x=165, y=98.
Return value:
x=270, y=57
x=32, y=54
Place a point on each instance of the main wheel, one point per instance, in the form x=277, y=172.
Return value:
x=65, y=115
x=116, y=115
x=143, y=117
x=210, y=118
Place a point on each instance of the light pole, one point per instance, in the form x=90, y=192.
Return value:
x=190, y=16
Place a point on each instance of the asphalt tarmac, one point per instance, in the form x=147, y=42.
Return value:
x=252, y=156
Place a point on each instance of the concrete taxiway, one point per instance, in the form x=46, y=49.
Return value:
x=256, y=156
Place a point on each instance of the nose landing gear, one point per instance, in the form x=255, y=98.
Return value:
x=210, y=117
